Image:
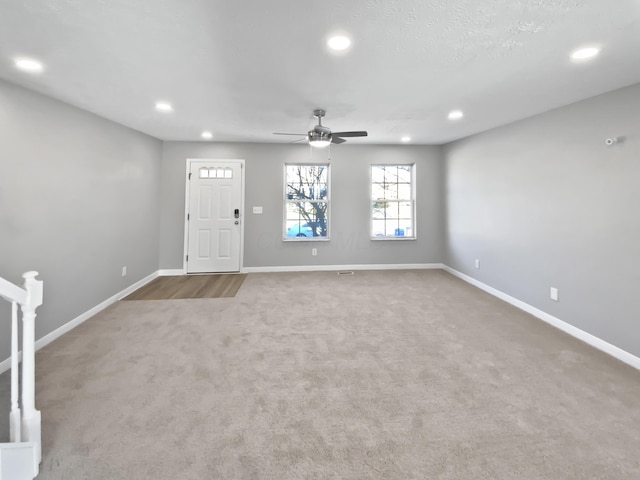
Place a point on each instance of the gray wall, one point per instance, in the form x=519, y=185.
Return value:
x=78, y=201
x=350, y=243
x=543, y=202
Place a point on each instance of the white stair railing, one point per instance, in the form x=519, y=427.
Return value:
x=21, y=458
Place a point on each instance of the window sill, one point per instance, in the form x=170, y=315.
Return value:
x=393, y=239
x=306, y=239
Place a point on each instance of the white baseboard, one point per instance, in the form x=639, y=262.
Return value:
x=57, y=333
x=331, y=268
x=171, y=273
x=587, y=338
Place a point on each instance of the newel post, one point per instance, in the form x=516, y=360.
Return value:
x=30, y=416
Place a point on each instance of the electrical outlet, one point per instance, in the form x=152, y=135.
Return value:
x=124, y=271
x=553, y=294
x=314, y=251
x=477, y=263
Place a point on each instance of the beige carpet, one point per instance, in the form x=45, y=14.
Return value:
x=380, y=375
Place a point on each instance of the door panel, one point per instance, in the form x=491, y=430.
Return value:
x=213, y=231
x=204, y=244
x=225, y=200
x=204, y=202
x=224, y=244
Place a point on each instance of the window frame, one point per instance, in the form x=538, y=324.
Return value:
x=412, y=200
x=286, y=201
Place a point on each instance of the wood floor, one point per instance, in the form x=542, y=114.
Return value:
x=190, y=286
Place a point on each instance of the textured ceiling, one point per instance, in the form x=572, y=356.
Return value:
x=245, y=69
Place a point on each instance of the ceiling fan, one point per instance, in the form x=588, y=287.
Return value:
x=322, y=136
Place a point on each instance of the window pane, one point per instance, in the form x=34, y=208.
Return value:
x=306, y=182
x=393, y=230
x=381, y=191
x=203, y=172
x=404, y=191
x=404, y=173
x=392, y=210
x=391, y=174
x=391, y=191
x=377, y=174
x=297, y=192
x=405, y=210
x=377, y=191
x=306, y=191
x=378, y=228
x=308, y=174
x=398, y=231
x=306, y=219
x=378, y=209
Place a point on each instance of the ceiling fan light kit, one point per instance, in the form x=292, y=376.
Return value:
x=319, y=139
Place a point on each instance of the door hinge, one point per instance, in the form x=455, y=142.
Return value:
x=189, y=175
x=188, y=217
x=187, y=258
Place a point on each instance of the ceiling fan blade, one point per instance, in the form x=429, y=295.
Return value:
x=350, y=134
x=298, y=134
x=337, y=140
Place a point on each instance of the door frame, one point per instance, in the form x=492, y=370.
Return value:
x=187, y=190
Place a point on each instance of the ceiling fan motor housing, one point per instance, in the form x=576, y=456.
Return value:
x=315, y=136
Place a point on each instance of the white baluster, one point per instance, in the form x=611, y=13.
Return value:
x=31, y=416
x=14, y=416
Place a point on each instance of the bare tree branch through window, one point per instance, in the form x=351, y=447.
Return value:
x=306, y=201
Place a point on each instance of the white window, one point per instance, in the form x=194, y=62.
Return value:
x=215, y=172
x=392, y=202
x=306, y=202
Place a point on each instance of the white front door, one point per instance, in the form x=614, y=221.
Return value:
x=214, y=216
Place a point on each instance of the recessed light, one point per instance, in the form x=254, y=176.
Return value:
x=339, y=43
x=207, y=135
x=164, y=107
x=29, y=65
x=405, y=139
x=455, y=115
x=585, y=53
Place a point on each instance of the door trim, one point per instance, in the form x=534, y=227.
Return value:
x=187, y=193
